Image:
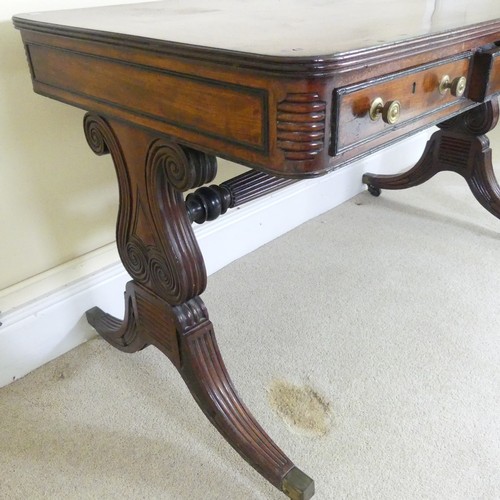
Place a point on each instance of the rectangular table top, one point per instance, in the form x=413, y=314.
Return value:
x=285, y=86
x=284, y=28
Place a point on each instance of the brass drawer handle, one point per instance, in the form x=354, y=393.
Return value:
x=455, y=86
x=390, y=111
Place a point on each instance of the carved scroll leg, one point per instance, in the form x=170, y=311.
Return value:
x=462, y=147
x=123, y=335
x=420, y=173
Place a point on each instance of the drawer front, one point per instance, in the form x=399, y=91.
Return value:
x=417, y=90
x=485, y=78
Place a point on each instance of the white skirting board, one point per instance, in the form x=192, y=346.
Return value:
x=44, y=327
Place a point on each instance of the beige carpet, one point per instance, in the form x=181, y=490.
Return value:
x=380, y=318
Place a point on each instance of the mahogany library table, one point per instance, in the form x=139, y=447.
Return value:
x=291, y=89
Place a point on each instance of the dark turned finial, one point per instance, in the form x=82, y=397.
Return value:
x=207, y=203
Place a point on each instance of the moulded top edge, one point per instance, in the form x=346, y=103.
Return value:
x=285, y=28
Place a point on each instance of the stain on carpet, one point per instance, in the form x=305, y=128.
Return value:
x=301, y=407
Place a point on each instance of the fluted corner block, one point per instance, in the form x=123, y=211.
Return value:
x=301, y=126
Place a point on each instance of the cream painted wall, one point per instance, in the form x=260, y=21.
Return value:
x=58, y=200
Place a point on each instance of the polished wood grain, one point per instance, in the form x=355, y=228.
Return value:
x=417, y=90
x=493, y=86
x=275, y=114
x=284, y=88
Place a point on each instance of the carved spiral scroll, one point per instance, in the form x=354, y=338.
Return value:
x=102, y=140
x=137, y=260
x=176, y=271
x=477, y=121
x=483, y=118
x=97, y=133
x=162, y=273
x=156, y=242
x=184, y=167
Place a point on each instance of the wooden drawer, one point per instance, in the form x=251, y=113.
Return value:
x=417, y=90
x=485, y=77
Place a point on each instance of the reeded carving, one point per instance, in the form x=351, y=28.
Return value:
x=301, y=126
x=102, y=140
x=454, y=152
x=205, y=374
x=124, y=335
x=420, y=173
x=159, y=250
x=176, y=268
x=154, y=236
x=482, y=180
x=190, y=314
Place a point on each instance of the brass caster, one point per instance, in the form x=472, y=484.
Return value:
x=297, y=485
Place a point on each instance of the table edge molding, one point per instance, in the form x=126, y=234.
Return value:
x=318, y=65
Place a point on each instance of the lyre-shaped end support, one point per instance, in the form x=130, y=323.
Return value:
x=158, y=248
x=460, y=146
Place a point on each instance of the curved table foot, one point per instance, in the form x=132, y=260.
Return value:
x=460, y=146
x=420, y=173
x=484, y=185
x=205, y=374
x=186, y=335
x=124, y=334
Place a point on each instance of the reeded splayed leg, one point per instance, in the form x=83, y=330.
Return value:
x=158, y=248
x=460, y=146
